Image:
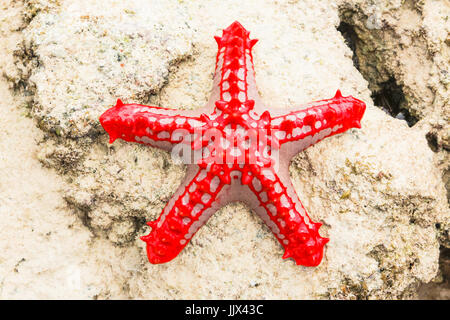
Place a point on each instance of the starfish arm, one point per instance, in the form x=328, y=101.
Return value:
x=235, y=74
x=285, y=215
x=188, y=209
x=318, y=120
x=151, y=125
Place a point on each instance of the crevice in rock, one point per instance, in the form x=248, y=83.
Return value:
x=350, y=36
x=432, y=141
x=384, y=46
x=387, y=95
x=446, y=179
x=439, y=289
x=390, y=99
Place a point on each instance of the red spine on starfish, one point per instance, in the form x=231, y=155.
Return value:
x=244, y=154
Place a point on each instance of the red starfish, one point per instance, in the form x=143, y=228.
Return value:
x=236, y=154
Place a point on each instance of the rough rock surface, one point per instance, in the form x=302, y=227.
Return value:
x=378, y=190
x=403, y=49
x=45, y=251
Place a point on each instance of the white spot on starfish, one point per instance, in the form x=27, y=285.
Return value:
x=195, y=123
x=197, y=208
x=163, y=135
x=263, y=196
x=226, y=96
x=185, y=199
x=166, y=120
x=214, y=183
x=277, y=121
x=241, y=73
x=278, y=188
x=257, y=184
x=272, y=209
x=296, y=132
x=206, y=197
x=202, y=175
x=284, y=201
x=268, y=174
x=280, y=134
x=306, y=129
